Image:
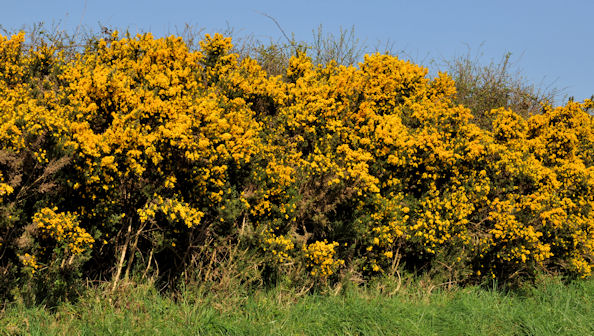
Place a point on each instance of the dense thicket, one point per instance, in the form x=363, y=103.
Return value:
x=140, y=157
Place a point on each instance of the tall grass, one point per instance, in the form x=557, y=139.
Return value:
x=550, y=308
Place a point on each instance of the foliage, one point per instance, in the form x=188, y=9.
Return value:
x=138, y=155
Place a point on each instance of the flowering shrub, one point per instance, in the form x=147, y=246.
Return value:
x=279, y=246
x=321, y=260
x=64, y=229
x=161, y=153
x=30, y=261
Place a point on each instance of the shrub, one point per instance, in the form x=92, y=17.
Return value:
x=139, y=155
x=483, y=88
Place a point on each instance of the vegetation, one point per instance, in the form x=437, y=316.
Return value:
x=550, y=308
x=483, y=88
x=131, y=157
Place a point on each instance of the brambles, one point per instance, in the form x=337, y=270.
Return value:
x=162, y=160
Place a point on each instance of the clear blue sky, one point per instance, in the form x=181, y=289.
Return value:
x=552, y=42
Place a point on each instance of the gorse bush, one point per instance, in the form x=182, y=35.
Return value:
x=140, y=156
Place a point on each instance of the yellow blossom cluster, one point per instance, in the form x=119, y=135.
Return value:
x=280, y=246
x=30, y=261
x=321, y=258
x=173, y=210
x=5, y=189
x=63, y=227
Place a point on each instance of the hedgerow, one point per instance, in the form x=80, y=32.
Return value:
x=138, y=155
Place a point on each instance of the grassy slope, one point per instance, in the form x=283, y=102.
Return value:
x=550, y=309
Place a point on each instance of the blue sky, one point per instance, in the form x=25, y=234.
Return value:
x=551, y=42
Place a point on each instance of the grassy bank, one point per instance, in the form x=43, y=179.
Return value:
x=550, y=308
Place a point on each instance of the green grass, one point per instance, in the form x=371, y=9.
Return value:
x=551, y=308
